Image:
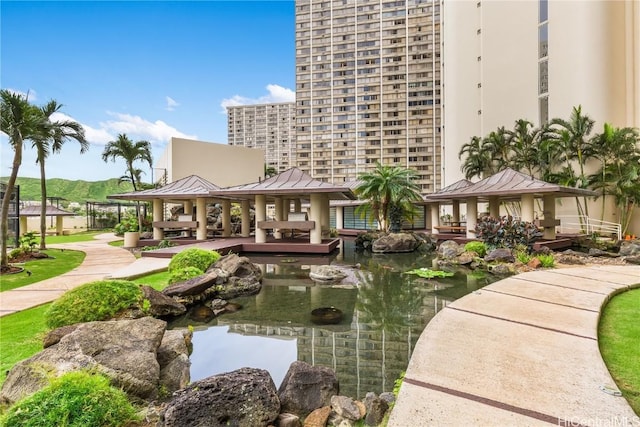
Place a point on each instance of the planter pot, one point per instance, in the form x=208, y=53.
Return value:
x=131, y=239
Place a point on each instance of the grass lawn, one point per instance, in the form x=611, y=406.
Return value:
x=619, y=337
x=21, y=337
x=157, y=281
x=83, y=236
x=41, y=269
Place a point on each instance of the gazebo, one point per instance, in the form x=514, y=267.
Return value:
x=507, y=185
x=36, y=210
x=288, y=188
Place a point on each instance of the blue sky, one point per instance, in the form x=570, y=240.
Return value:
x=150, y=69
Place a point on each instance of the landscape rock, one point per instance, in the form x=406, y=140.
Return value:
x=306, y=388
x=288, y=420
x=245, y=398
x=239, y=286
x=161, y=305
x=534, y=263
x=376, y=410
x=173, y=358
x=466, y=258
x=388, y=397
x=54, y=336
x=500, y=255
x=345, y=407
x=395, y=242
x=635, y=259
x=194, y=286
x=600, y=253
x=239, y=266
x=630, y=247
x=318, y=418
x=326, y=274
x=125, y=351
x=502, y=269
x=449, y=250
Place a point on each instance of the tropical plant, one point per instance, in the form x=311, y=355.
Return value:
x=131, y=152
x=506, y=232
x=269, y=171
x=20, y=121
x=51, y=140
x=384, y=188
x=478, y=247
x=524, y=141
x=193, y=257
x=546, y=260
x=478, y=159
x=427, y=273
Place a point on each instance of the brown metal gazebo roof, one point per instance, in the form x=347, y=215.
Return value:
x=292, y=182
x=508, y=184
x=35, y=210
x=186, y=188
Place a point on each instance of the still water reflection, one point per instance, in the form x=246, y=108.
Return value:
x=384, y=313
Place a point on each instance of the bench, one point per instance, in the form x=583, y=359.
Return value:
x=187, y=226
x=287, y=225
x=451, y=229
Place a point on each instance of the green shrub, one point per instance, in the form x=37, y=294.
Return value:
x=193, y=257
x=93, y=301
x=75, y=399
x=506, y=232
x=523, y=257
x=185, y=273
x=546, y=260
x=478, y=247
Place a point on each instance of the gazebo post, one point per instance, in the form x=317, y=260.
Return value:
x=286, y=208
x=456, y=212
x=339, y=217
x=201, y=217
x=472, y=217
x=527, y=214
x=550, y=222
x=326, y=214
x=278, y=215
x=158, y=215
x=297, y=205
x=245, y=225
x=187, y=207
x=59, y=227
x=435, y=217
x=261, y=215
x=315, y=215
x=226, y=218
x=494, y=207
x=23, y=225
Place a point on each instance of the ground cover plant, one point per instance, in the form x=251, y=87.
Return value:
x=35, y=270
x=84, y=236
x=427, y=273
x=193, y=257
x=92, y=301
x=157, y=281
x=619, y=339
x=75, y=399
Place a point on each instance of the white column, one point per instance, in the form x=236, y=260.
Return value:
x=226, y=218
x=59, y=225
x=315, y=214
x=526, y=201
x=201, y=217
x=434, y=208
x=456, y=211
x=23, y=225
x=494, y=207
x=549, y=212
x=286, y=208
x=187, y=207
x=158, y=215
x=472, y=217
x=326, y=215
x=278, y=214
x=245, y=207
x=339, y=217
x=261, y=215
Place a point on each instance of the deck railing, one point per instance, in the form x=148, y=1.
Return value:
x=586, y=225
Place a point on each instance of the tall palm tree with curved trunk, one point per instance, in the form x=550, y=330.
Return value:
x=387, y=188
x=131, y=152
x=20, y=121
x=50, y=142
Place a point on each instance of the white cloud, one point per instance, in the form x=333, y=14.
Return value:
x=29, y=94
x=171, y=104
x=276, y=94
x=157, y=132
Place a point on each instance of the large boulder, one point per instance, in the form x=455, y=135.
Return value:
x=239, y=286
x=244, y=398
x=173, y=358
x=161, y=305
x=125, y=351
x=306, y=388
x=239, y=266
x=194, y=286
x=326, y=274
x=449, y=250
x=395, y=242
x=630, y=247
x=500, y=255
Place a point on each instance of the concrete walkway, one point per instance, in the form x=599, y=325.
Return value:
x=519, y=352
x=101, y=261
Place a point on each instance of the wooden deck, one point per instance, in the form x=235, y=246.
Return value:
x=246, y=244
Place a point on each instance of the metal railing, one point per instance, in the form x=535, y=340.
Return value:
x=585, y=225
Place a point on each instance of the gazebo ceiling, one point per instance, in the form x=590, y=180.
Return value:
x=35, y=210
x=507, y=184
x=186, y=188
x=290, y=183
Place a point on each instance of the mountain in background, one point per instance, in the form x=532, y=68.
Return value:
x=73, y=191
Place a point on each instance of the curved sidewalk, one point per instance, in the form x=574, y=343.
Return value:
x=101, y=261
x=519, y=352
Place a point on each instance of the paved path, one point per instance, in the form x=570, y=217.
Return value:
x=101, y=261
x=519, y=352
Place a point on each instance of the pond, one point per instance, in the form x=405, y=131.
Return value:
x=384, y=312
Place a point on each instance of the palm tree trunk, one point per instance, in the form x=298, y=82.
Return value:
x=43, y=207
x=17, y=160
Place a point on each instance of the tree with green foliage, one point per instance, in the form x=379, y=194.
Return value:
x=20, y=121
x=524, y=141
x=477, y=161
x=50, y=141
x=387, y=188
x=269, y=171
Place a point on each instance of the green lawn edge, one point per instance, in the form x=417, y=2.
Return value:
x=619, y=341
x=61, y=262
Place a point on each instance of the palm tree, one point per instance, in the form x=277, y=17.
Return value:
x=51, y=141
x=20, y=121
x=524, y=141
x=478, y=158
x=131, y=152
x=497, y=143
x=386, y=188
x=269, y=171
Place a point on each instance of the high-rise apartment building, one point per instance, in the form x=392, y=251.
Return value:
x=270, y=127
x=368, y=88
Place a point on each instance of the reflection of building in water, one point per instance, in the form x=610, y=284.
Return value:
x=364, y=356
